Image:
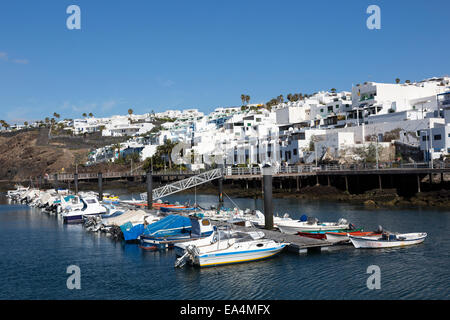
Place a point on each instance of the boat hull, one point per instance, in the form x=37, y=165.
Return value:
x=296, y=229
x=377, y=242
x=345, y=236
x=215, y=259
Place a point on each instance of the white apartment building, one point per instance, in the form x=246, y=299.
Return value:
x=373, y=98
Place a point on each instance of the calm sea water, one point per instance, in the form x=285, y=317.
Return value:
x=36, y=248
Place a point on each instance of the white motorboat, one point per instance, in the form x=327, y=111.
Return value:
x=229, y=251
x=388, y=240
x=291, y=226
x=14, y=193
x=219, y=233
x=91, y=207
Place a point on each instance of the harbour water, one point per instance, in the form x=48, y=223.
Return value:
x=36, y=248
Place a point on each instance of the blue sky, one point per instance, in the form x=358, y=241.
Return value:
x=158, y=55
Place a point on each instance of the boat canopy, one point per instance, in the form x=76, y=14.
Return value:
x=168, y=223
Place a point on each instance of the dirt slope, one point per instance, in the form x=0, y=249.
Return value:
x=21, y=157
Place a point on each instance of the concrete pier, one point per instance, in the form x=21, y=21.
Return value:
x=268, y=207
x=221, y=190
x=149, y=189
x=75, y=179
x=100, y=186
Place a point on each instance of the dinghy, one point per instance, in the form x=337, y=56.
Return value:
x=344, y=236
x=306, y=224
x=388, y=240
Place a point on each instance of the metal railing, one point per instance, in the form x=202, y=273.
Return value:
x=299, y=169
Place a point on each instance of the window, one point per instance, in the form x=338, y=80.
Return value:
x=424, y=138
x=321, y=110
x=295, y=152
x=437, y=137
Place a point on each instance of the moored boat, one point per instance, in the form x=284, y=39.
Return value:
x=305, y=224
x=344, y=236
x=231, y=251
x=388, y=240
x=323, y=234
x=91, y=207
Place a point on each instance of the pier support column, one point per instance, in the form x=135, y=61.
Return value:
x=268, y=208
x=431, y=178
x=346, y=183
x=100, y=186
x=298, y=183
x=75, y=182
x=442, y=177
x=221, y=190
x=328, y=180
x=55, y=185
x=317, y=180
x=379, y=182
x=418, y=183
x=149, y=190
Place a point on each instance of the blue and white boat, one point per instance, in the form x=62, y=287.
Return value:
x=91, y=207
x=230, y=251
x=175, y=229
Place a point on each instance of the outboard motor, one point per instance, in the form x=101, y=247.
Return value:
x=380, y=229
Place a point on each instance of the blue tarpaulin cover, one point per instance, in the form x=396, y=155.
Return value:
x=130, y=232
x=170, y=225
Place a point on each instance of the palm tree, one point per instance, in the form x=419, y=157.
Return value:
x=47, y=120
x=91, y=114
x=130, y=111
x=56, y=115
x=25, y=123
x=407, y=81
x=247, y=99
x=397, y=80
x=84, y=115
x=243, y=98
x=289, y=96
x=333, y=90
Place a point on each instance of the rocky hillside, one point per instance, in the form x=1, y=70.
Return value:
x=22, y=156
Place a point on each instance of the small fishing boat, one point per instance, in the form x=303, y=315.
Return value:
x=230, y=251
x=388, y=240
x=323, y=234
x=344, y=236
x=291, y=226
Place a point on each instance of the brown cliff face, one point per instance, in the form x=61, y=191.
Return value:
x=21, y=157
